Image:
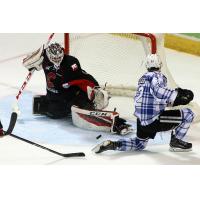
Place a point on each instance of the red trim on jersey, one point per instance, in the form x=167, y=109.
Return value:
x=82, y=84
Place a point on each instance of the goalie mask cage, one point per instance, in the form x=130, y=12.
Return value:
x=118, y=59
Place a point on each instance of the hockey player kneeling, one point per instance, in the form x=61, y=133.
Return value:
x=151, y=99
x=67, y=84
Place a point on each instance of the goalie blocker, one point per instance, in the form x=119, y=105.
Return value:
x=96, y=120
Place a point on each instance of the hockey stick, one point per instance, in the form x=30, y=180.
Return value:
x=14, y=115
x=12, y=123
x=78, y=154
x=11, y=127
x=31, y=72
x=13, y=118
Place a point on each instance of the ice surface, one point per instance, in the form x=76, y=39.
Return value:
x=61, y=132
x=62, y=136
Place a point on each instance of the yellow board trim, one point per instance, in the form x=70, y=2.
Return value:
x=173, y=41
x=183, y=44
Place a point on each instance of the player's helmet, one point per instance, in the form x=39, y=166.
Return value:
x=55, y=53
x=153, y=62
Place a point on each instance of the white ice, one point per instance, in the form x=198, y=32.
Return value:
x=61, y=135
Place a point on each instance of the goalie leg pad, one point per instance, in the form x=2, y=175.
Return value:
x=93, y=120
x=106, y=121
x=40, y=105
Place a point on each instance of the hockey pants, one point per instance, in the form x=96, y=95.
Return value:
x=177, y=120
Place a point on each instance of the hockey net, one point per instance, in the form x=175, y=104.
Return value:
x=118, y=59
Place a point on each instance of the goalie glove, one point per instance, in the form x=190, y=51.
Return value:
x=34, y=61
x=99, y=96
x=96, y=94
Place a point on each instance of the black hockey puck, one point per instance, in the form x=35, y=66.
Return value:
x=98, y=137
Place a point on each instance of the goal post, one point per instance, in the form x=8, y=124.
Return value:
x=152, y=40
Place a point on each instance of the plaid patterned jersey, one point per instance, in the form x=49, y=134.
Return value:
x=152, y=97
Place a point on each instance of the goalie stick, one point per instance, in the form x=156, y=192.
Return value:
x=31, y=72
x=14, y=115
x=11, y=127
x=13, y=118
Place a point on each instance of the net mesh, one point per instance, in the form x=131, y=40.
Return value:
x=118, y=60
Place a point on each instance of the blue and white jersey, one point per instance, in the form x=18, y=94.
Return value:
x=152, y=97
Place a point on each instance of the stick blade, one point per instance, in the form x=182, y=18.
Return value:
x=12, y=123
x=79, y=154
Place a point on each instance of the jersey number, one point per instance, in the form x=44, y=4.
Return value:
x=139, y=94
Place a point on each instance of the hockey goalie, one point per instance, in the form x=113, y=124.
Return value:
x=71, y=90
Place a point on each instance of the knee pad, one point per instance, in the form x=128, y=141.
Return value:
x=40, y=105
x=188, y=115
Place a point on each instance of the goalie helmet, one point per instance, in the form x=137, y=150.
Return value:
x=153, y=62
x=55, y=53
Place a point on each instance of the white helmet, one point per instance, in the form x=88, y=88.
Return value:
x=55, y=53
x=153, y=61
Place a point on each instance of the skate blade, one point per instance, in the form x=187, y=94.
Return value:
x=179, y=150
x=126, y=131
x=96, y=148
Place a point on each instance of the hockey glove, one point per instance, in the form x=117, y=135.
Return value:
x=2, y=133
x=99, y=96
x=34, y=61
x=189, y=94
x=183, y=97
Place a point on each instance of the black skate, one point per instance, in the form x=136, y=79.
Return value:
x=178, y=145
x=105, y=146
x=121, y=127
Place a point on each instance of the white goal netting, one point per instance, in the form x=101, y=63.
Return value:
x=117, y=59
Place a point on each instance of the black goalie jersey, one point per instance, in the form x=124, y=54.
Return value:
x=68, y=73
